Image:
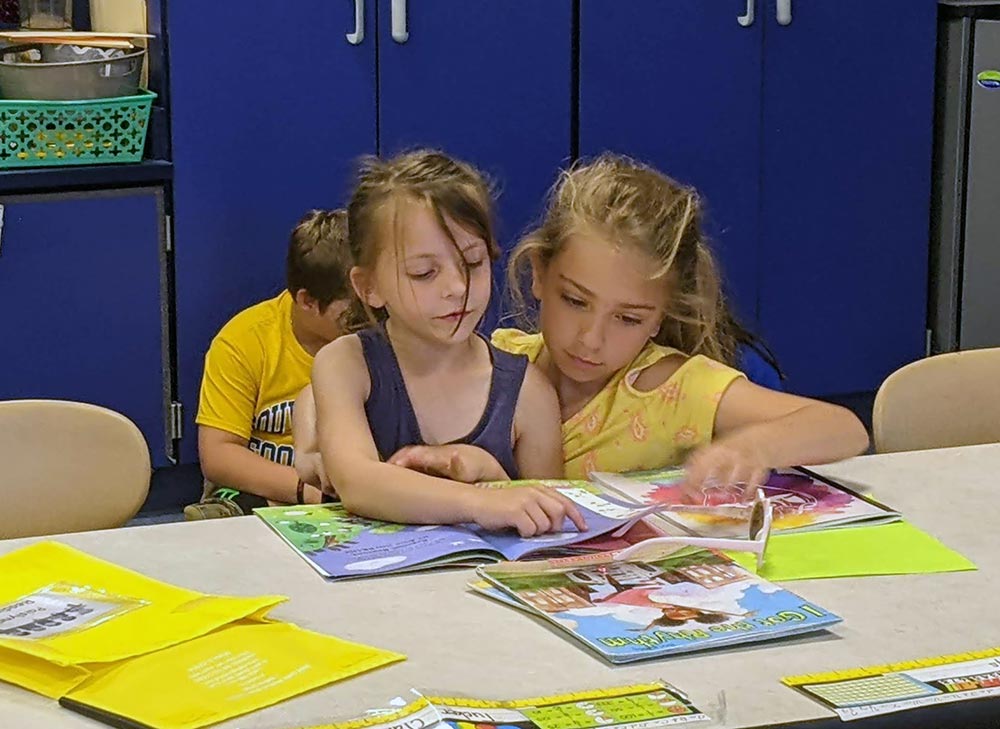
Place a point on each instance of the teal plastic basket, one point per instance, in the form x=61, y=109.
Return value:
x=90, y=132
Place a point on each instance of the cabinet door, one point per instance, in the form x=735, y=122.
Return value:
x=270, y=107
x=677, y=85
x=80, y=288
x=848, y=117
x=487, y=81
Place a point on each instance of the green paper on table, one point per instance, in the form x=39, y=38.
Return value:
x=890, y=549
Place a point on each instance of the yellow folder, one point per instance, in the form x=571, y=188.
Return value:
x=125, y=648
x=233, y=671
x=62, y=609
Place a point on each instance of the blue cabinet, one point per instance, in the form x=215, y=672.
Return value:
x=270, y=107
x=848, y=118
x=677, y=85
x=490, y=82
x=81, y=288
x=811, y=142
x=264, y=129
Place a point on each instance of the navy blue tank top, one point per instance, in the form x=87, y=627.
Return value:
x=390, y=412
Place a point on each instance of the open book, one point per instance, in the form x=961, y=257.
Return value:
x=801, y=501
x=686, y=600
x=340, y=545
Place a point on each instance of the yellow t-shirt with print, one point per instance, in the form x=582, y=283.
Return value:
x=254, y=368
x=625, y=429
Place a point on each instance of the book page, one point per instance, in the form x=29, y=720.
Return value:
x=340, y=544
x=601, y=514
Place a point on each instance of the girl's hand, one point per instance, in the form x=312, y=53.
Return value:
x=312, y=495
x=309, y=467
x=532, y=510
x=459, y=462
x=736, y=464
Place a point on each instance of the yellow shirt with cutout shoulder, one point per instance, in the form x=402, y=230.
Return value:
x=254, y=368
x=625, y=429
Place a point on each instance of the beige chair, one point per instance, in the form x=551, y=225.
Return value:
x=68, y=467
x=947, y=400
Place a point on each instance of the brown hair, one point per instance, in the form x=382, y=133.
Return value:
x=448, y=187
x=319, y=260
x=630, y=204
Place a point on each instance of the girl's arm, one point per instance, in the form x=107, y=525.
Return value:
x=757, y=429
x=457, y=461
x=374, y=489
x=538, y=428
x=308, y=461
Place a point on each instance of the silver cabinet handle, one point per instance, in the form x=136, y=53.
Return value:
x=746, y=20
x=359, y=23
x=784, y=12
x=399, y=32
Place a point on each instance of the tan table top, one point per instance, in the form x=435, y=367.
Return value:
x=462, y=644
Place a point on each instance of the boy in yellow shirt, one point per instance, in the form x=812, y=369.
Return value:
x=257, y=364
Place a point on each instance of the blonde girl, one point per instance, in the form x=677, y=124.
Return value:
x=636, y=338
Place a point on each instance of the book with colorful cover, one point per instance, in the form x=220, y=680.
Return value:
x=340, y=545
x=686, y=600
x=801, y=500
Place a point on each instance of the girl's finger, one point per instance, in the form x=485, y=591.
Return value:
x=694, y=474
x=553, y=509
x=525, y=525
x=456, y=470
x=758, y=477
x=569, y=511
x=399, y=458
x=706, y=476
x=539, y=517
x=735, y=477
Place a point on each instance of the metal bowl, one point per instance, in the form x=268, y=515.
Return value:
x=69, y=53
x=65, y=81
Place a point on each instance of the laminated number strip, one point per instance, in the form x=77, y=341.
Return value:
x=867, y=671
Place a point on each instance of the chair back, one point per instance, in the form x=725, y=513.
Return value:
x=942, y=401
x=68, y=467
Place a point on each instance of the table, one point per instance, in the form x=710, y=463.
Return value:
x=462, y=644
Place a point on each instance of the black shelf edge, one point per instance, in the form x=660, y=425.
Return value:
x=978, y=9
x=59, y=179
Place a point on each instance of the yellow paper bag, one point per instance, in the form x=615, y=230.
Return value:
x=38, y=675
x=233, y=671
x=62, y=608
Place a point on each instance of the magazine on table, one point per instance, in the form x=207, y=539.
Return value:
x=340, y=545
x=801, y=501
x=687, y=599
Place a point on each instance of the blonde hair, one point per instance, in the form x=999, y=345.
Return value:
x=318, y=258
x=448, y=187
x=630, y=204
